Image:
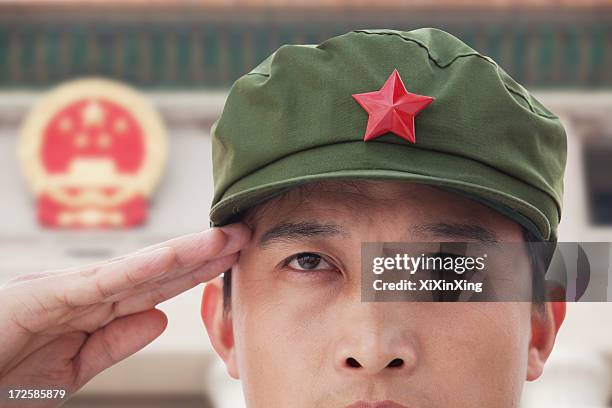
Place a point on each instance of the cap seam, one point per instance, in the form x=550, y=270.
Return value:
x=422, y=45
x=257, y=73
x=474, y=53
x=441, y=66
x=531, y=107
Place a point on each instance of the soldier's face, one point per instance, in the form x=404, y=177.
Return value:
x=302, y=337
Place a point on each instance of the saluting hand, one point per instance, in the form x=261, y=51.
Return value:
x=59, y=329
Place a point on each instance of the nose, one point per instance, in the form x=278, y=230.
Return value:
x=372, y=345
x=374, y=366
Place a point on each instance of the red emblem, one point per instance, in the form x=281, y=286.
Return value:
x=93, y=151
x=392, y=109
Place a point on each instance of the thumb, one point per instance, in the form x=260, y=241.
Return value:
x=116, y=341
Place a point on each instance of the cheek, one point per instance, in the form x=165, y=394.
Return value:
x=482, y=344
x=281, y=304
x=280, y=322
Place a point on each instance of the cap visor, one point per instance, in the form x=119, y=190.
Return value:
x=387, y=161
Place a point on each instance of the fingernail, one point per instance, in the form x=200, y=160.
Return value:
x=236, y=232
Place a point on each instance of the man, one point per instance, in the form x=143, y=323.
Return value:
x=378, y=136
x=373, y=136
x=297, y=333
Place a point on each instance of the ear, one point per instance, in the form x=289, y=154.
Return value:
x=218, y=326
x=545, y=324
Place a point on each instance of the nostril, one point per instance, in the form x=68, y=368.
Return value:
x=351, y=362
x=397, y=362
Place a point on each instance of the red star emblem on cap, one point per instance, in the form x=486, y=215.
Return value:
x=392, y=109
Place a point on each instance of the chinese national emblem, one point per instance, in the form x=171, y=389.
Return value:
x=93, y=151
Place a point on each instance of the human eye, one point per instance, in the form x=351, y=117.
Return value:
x=308, y=261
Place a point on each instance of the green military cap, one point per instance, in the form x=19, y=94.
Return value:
x=420, y=106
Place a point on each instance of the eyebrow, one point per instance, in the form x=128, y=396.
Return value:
x=463, y=231
x=294, y=231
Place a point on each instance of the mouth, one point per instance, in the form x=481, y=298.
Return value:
x=377, y=404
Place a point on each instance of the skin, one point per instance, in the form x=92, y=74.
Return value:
x=293, y=336
x=61, y=328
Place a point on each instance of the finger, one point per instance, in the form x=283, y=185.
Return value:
x=183, y=253
x=42, y=303
x=27, y=277
x=217, y=266
x=187, y=251
x=212, y=243
x=116, y=341
x=155, y=295
x=190, y=249
x=94, y=285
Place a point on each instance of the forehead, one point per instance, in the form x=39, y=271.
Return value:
x=382, y=203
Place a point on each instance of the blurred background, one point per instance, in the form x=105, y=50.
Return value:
x=182, y=57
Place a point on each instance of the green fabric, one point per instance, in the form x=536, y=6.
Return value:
x=292, y=120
